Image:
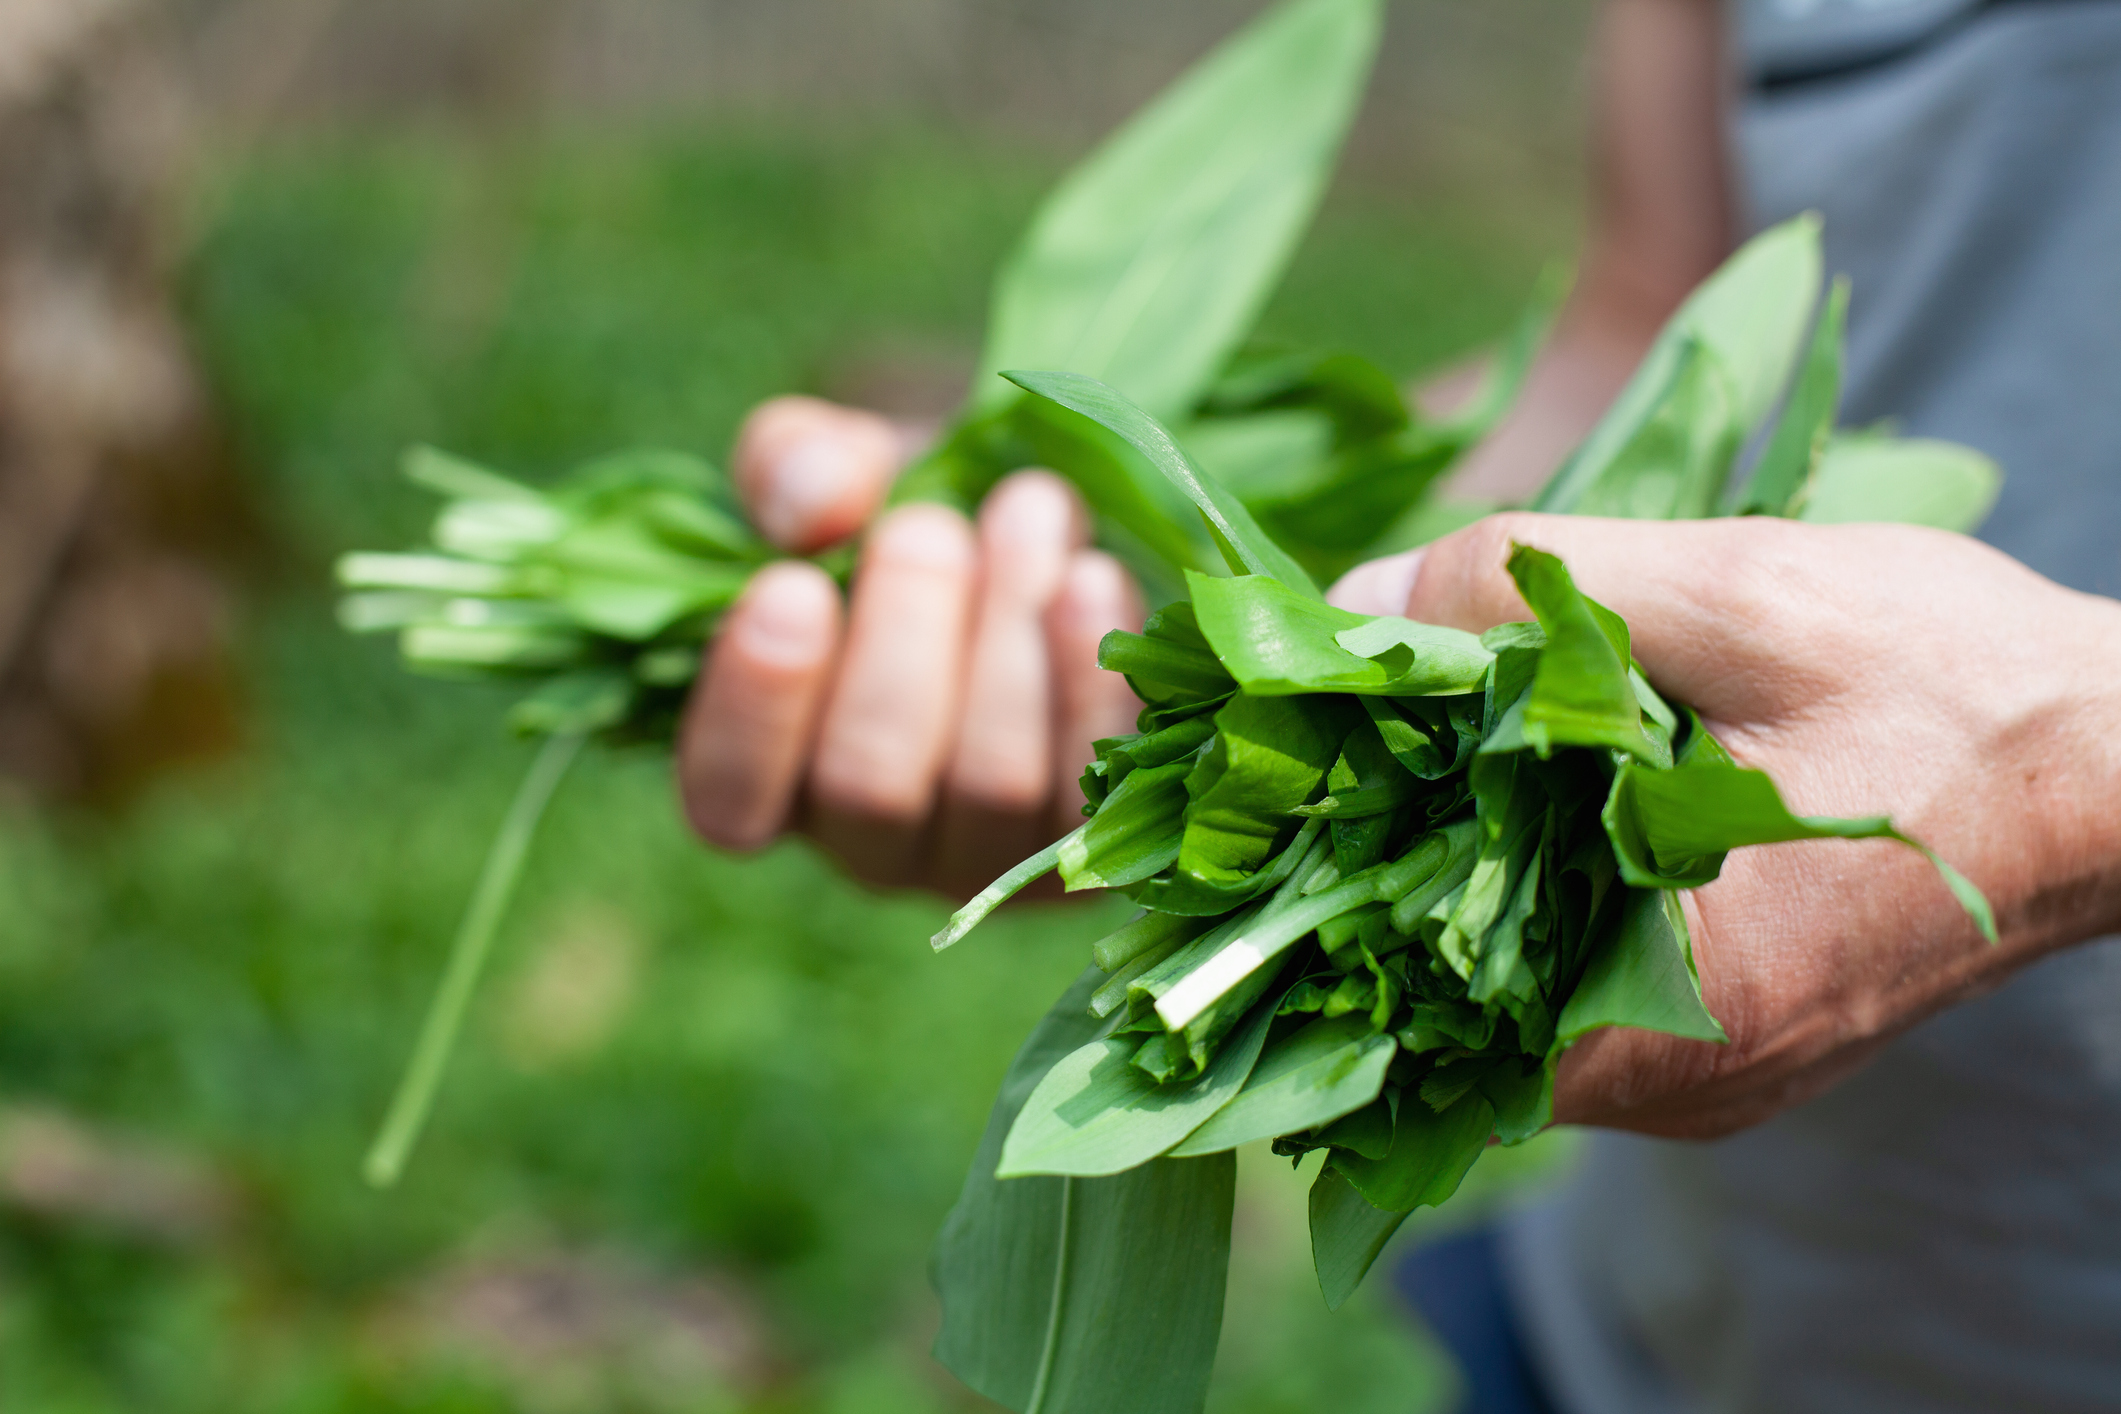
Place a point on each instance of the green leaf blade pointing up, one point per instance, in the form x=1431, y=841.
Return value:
x=1746, y=323
x=1152, y=259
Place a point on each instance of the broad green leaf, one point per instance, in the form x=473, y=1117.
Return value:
x=1432, y=739
x=1083, y=1295
x=1522, y=1092
x=1149, y=663
x=1581, y=693
x=1245, y=547
x=1277, y=642
x=1264, y=455
x=1097, y=1113
x=1139, y=514
x=1363, y=488
x=1671, y=829
x=1368, y=1131
x=1779, y=483
x=1268, y=757
x=1912, y=480
x=1309, y=1078
x=1134, y=834
x=1674, y=465
x=1358, y=400
x=1641, y=975
x=1431, y=1153
x=1347, y=1233
x=1749, y=320
x=1755, y=309
x=1153, y=257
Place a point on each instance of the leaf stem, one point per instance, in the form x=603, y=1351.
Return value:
x=1050, y=1355
x=999, y=892
x=467, y=956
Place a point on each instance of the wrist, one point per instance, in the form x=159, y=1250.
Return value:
x=2059, y=758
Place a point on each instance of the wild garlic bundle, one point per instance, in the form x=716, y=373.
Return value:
x=1389, y=871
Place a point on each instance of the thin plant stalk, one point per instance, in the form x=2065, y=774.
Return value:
x=467, y=958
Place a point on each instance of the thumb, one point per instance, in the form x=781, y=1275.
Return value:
x=1692, y=592
x=812, y=473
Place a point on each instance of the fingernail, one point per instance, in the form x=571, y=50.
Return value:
x=1030, y=511
x=811, y=479
x=786, y=616
x=1379, y=587
x=922, y=537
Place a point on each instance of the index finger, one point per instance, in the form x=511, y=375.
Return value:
x=1695, y=594
x=812, y=473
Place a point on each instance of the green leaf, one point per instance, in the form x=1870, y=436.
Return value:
x=1083, y=1295
x=1671, y=829
x=1245, y=547
x=1780, y=482
x=439, y=574
x=1268, y=756
x=1097, y=1113
x=1753, y=312
x=1675, y=463
x=1368, y=1131
x=1743, y=326
x=1277, y=642
x=582, y=702
x=1135, y=833
x=1581, y=694
x=1311, y=1077
x=1914, y=481
x=1641, y=975
x=1347, y=1233
x=498, y=530
x=1431, y=1153
x=620, y=579
x=453, y=476
x=1153, y=257
x=1149, y=663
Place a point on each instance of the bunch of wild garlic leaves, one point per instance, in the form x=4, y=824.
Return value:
x=1389, y=872
x=1146, y=267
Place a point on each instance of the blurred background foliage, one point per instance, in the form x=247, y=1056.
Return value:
x=712, y=1111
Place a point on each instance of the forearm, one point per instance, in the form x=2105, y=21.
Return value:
x=1660, y=222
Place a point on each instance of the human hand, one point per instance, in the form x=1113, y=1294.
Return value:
x=1868, y=669
x=931, y=733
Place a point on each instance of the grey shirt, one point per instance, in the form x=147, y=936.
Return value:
x=1943, y=1231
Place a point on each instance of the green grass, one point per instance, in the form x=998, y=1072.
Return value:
x=683, y=1063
